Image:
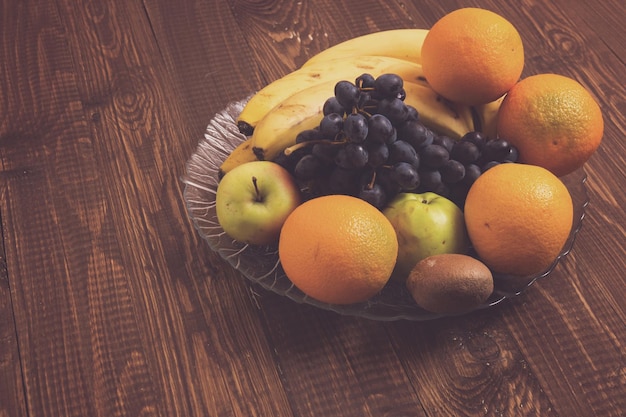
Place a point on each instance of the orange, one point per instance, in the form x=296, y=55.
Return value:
x=338, y=249
x=472, y=56
x=518, y=218
x=553, y=121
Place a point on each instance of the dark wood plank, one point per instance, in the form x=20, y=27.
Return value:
x=67, y=315
x=470, y=366
x=12, y=400
x=191, y=334
x=76, y=288
x=38, y=120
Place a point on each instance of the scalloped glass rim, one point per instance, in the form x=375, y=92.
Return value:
x=261, y=265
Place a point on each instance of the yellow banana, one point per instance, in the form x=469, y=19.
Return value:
x=238, y=156
x=333, y=70
x=278, y=130
x=488, y=117
x=398, y=43
x=441, y=116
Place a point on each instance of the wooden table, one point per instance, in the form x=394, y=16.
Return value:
x=112, y=305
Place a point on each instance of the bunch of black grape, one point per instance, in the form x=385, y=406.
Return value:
x=371, y=144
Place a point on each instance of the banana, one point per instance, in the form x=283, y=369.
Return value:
x=441, y=116
x=398, y=43
x=324, y=71
x=238, y=156
x=488, y=117
x=279, y=128
x=303, y=110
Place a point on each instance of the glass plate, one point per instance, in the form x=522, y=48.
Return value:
x=261, y=265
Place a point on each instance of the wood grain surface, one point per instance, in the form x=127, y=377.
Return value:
x=111, y=304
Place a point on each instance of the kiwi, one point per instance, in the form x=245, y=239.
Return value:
x=450, y=283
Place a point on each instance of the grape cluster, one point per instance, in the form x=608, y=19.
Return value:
x=371, y=144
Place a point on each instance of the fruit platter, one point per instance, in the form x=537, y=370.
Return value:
x=260, y=264
x=375, y=186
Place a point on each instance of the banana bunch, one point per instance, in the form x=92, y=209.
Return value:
x=332, y=70
x=274, y=116
x=403, y=44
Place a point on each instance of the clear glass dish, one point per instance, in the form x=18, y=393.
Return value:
x=261, y=265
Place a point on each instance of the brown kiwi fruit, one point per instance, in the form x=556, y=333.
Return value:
x=450, y=283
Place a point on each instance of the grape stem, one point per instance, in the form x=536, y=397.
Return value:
x=370, y=185
x=288, y=151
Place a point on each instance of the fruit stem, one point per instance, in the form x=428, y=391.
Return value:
x=288, y=151
x=370, y=185
x=258, y=198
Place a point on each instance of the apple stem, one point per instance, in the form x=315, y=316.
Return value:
x=256, y=189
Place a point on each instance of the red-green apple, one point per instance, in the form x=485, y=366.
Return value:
x=254, y=199
x=426, y=224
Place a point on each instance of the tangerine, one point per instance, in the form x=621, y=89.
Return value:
x=553, y=121
x=472, y=56
x=338, y=249
x=518, y=218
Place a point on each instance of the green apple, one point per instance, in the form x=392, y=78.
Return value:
x=426, y=224
x=254, y=199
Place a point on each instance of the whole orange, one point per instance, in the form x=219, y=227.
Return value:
x=472, y=56
x=553, y=121
x=518, y=218
x=338, y=249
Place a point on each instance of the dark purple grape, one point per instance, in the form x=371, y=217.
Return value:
x=308, y=167
x=289, y=161
x=343, y=181
x=373, y=194
x=378, y=154
x=357, y=155
x=472, y=172
x=513, y=155
x=465, y=152
x=496, y=150
x=380, y=129
x=406, y=176
x=394, y=109
x=365, y=81
x=325, y=151
x=385, y=177
x=331, y=125
x=430, y=180
x=452, y=172
x=443, y=190
x=413, y=113
x=355, y=127
x=433, y=156
x=488, y=165
x=458, y=193
x=332, y=105
x=365, y=100
x=475, y=137
x=389, y=85
x=445, y=141
x=401, y=151
x=347, y=94
x=308, y=135
x=415, y=133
